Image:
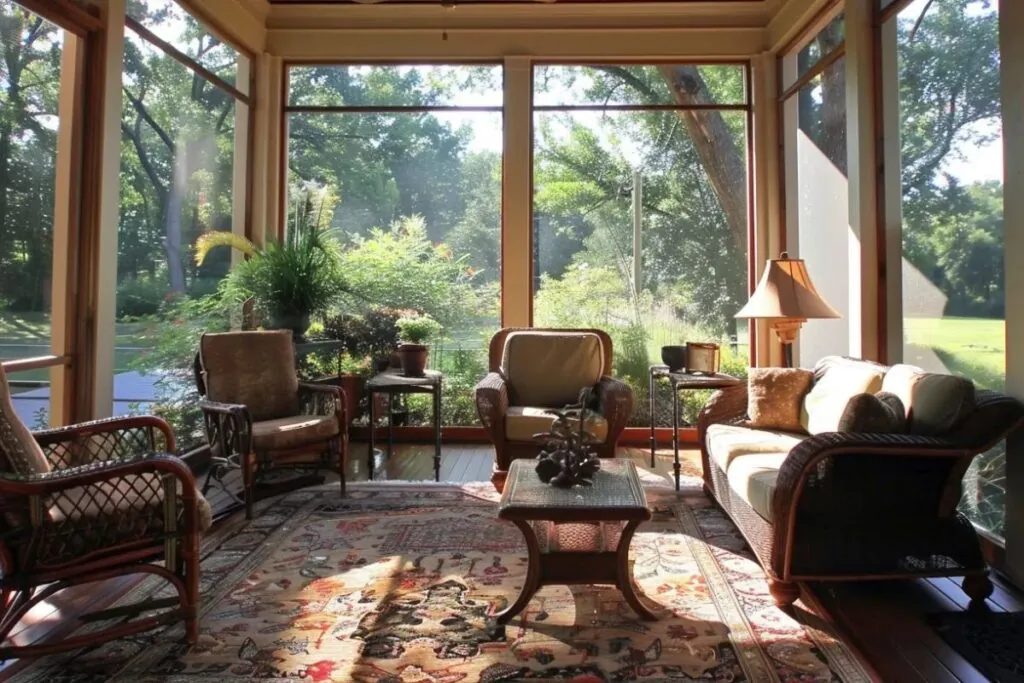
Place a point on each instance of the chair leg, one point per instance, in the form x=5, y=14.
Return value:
x=192, y=589
x=977, y=587
x=342, y=452
x=247, y=482
x=784, y=593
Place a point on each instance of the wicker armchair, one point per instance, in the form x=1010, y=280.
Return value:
x=534, y=369
x=259, y=416
x=854, y=506
x=90, y=502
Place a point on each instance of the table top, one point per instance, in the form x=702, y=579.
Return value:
x=616, y=494
x=394, y=379
x=686, y=380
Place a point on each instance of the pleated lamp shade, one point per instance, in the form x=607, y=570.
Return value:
x=786, y=291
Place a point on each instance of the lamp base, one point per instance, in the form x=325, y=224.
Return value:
x=787, y=330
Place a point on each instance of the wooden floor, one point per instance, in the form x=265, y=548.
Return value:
x=885, y=621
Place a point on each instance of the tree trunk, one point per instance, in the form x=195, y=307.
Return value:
x=172, y=221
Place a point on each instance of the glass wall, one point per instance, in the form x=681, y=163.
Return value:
x=179, y=180
x=815, y=179
x=402, y=164
x=640, y=211
x=31, y=50
x=953, y=301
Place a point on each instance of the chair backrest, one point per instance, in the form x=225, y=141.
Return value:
x=19, y=451
x=548, y=367
x=255, y=369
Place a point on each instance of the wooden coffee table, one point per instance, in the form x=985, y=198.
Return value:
x=577, y=535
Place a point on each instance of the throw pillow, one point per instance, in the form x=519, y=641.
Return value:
x=19, y=451
x=774, y=397
x=826, y=402
x=880, y=413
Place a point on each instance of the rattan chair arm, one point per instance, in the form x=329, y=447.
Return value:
x=228, y=427
x=102, y=470
x=616, y=401
x=63, y=445
x=318, y=393
x=492, y=404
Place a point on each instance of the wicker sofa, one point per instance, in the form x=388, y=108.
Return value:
x=853, y=505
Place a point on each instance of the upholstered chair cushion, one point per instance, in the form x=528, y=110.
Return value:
x=522, y=422
x=935, y=403
x=255, y=369
x=837, y=384
x=19, y=452
x=774, y=397
x=548, y=368
x=880, y=413
x=292, y=432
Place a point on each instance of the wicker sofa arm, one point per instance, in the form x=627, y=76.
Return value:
x=492, y=405
x=615, y=398
x=228, y=427
x=324, y=400
x=106, y=439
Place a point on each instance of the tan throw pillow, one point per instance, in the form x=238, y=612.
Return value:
x=935, y=403
x=880, y=413
x=826, y=402
x=774, y=396
x=19, y=451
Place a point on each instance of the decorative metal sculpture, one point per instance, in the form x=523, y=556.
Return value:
x=568, y=459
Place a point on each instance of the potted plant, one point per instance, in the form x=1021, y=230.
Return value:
x=415, y=330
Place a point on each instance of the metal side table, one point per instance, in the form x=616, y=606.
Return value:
x=395, y=383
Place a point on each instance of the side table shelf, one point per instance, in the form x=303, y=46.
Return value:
x=680, y=381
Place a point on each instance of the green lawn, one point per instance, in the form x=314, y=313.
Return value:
x=973, y=347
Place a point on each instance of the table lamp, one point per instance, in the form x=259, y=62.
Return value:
x=786, y=298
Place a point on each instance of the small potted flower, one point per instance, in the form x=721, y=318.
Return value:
x=414, y=331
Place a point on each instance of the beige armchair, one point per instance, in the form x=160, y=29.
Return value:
x=257, y=413
x=535, y=369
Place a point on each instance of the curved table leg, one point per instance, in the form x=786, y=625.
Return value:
x=532, y=582
x=625, y=577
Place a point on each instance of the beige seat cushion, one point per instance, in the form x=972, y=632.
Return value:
x=826, y=403
x=753, y=478
x=728, y=442
x=934, y=402
x=19, y=451
x=292, y=432
x=254, y=369
x=549, y=368
x=522, y=422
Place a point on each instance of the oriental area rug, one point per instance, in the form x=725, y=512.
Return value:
x=397, y=583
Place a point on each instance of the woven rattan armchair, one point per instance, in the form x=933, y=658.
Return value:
x=533, y=369
x=856, y=506
x=258, y=415
x=90, y=502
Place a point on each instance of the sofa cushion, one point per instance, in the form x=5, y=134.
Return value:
x=727, y=442
x=254, y=369
x=934, y=403
x=838, y=381
x=19, y=451
x=880, y=413
x=292, y=432
x=774, y=397
x=522, y=422
x=549, y=368
x=753, y=478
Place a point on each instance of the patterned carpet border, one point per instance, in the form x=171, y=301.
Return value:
x=235, y=550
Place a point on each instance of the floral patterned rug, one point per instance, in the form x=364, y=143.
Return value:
x=397, y=583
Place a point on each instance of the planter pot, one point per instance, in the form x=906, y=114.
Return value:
x=298, y=324
x=414, y=359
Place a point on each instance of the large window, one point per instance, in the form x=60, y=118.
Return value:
x=183, y=121
x=815, y=179
x=951, y=185
x=640, y=210
x=403, y=165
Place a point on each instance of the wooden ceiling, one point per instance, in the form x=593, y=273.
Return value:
x=501, y=2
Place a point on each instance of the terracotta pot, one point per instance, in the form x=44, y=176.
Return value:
x=414, y=359
x=353, y=386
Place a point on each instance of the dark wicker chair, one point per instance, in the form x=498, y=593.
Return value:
x=259, y=416
x=856, y=506
x=90, y=502
x=545, y=361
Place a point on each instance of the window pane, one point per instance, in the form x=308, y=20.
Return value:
x=690, y=171
x=953, y=256
x=177, y=170
x=818, y=205
x=830, y=37
x=416, y=199
x=171, y=23
x=638, y=84
x=360, y=85
x=30, y=83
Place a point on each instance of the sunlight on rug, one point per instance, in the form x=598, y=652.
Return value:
x=397, y=583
